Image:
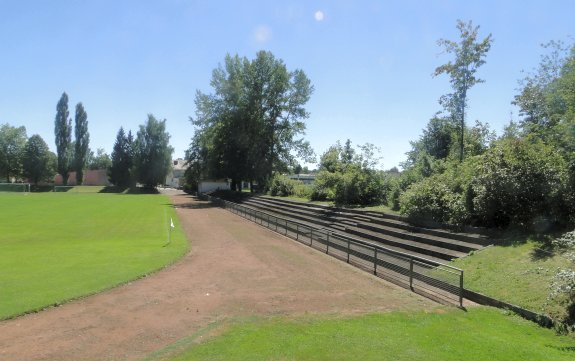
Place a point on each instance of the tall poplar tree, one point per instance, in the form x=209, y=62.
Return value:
x=63, y=135
x=82, y=142
x=469, y=56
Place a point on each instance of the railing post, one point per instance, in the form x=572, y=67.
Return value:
x=411, y=273
x=375, y=260
x=286, y=228
x=348, y=249
x=276, y=222
x=461, y=289
x=327, y=243
x=297, y=232
x=310, y=236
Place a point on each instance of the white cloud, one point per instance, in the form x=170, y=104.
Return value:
x=262, y=34
x=319, y=15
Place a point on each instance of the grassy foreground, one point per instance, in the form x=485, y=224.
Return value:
x=59, y=246
x=446, y=334
x=518, y=273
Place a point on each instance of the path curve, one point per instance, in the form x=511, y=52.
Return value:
x=235, y=268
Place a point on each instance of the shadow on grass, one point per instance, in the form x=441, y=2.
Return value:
x=129, y=190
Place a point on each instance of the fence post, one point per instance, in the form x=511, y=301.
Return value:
x=286, y=228
x=297, y=232
x=327, y=243
x=276, y=222
x=411, y=273
x=310, y=236
x=348, y=249
x=375, y=260
x=461, y=289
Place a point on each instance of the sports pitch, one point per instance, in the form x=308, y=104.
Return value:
x=60, y=246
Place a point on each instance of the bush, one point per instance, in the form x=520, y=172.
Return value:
x=282, y=186
x=519, y=182
x=303, y=190
x=353, y=186
x=432, y=200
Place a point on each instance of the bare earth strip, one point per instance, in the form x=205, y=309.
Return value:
x=235, y=268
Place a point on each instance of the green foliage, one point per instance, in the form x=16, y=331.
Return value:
x=63, y=135
x=432, y=199
x=283, y=186
x=152, y=153
x=479, y=334
x=38, y=162
x=249, y=127
x=12, y=143
x=100, y=160
x=103, y=240
x=348, y=177
x=562, y=285
x=519, y=182
x=120, y=172
x=81, y=143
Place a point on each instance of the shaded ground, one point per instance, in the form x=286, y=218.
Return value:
x=235, y=268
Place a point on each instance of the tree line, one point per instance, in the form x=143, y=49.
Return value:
x=145, y=159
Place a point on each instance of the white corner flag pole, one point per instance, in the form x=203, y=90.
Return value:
x=170, y=232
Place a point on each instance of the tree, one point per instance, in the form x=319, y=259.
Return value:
x=249, y=127
x=101, y=160
x=469, y=56
x=37, y=160
x=438, y=137
x=12, y=142
x=81, y=143
x=63, y=135
x=540, y=99
x=122, y=160
x=152, y=153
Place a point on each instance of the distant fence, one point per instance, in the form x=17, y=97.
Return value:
x=436, y=280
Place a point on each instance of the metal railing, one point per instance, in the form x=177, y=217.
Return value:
x=436, y=279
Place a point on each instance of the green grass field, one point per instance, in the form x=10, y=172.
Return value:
x=516, y=273
x=481, y=333
x=59, y=246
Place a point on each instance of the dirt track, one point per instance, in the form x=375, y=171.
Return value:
x=235, y=268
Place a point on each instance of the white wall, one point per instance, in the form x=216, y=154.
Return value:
x=209, y=186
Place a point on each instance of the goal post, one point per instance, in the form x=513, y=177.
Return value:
x=15, y=187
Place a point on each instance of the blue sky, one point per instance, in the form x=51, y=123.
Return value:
x=369, y=61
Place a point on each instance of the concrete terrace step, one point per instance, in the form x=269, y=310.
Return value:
x=388, y=220
x=370, y=227
x=340, y=229
x=405, y=245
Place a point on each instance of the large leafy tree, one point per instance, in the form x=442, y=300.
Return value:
x=152, y=153
x=63, y=135
x=250, y=126
x=82, y=141
x=37, y=160
x=469, y=54
x=122, y=160
x=12, y=142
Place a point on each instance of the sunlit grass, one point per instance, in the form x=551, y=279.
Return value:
x=444, y=334
x=517, y=273
x=59, y=246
